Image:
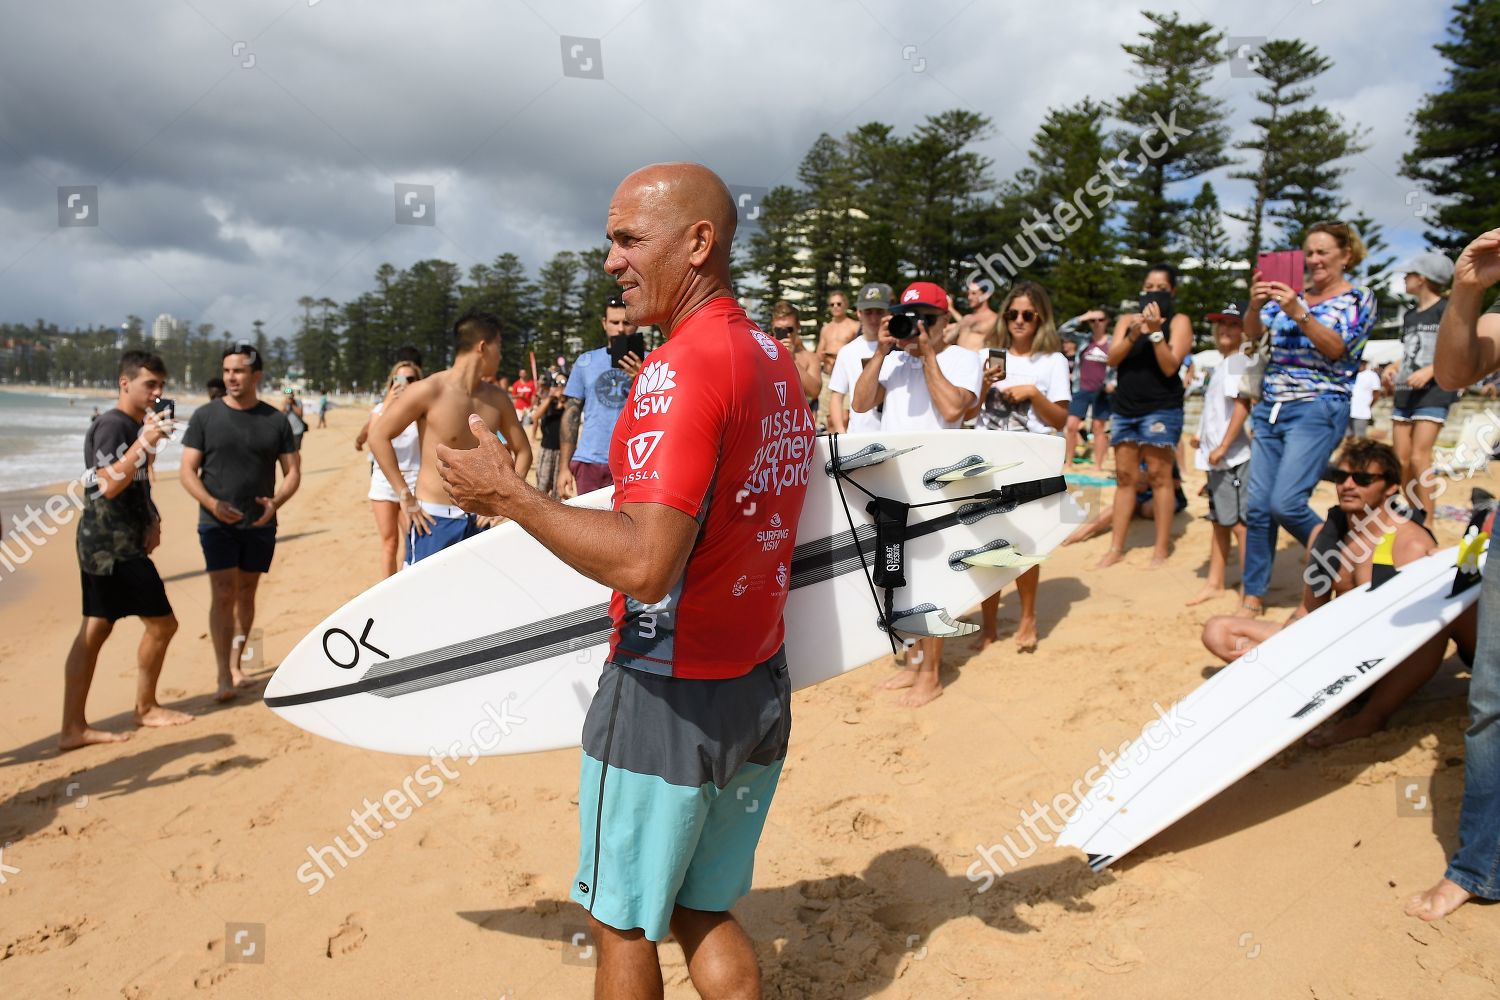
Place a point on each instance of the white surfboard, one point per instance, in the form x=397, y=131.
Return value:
x=495, y=646
x=1260, y=704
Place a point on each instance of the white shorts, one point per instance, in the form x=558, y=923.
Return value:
x=380, y=487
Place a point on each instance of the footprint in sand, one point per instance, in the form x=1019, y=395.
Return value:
x=349, y=936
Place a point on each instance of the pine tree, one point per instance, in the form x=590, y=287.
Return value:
x=828, y=189
x=777, y=250
x=947, y=184
x=557, y=288
x=882, y=204
x=1456, y=153
x=1176, y=62
x=1209, y=283
x=1296, y=177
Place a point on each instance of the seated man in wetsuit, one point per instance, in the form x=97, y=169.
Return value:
x=1362, y=541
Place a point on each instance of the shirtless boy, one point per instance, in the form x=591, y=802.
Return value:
x=441, y=405
x=980, y=327
x=1361, y=540
x=838, y=331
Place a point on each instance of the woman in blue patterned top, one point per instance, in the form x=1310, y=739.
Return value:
x=1316, y=342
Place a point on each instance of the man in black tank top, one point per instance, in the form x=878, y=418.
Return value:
x=1363, y=541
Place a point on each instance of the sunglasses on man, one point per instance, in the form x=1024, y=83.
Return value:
x=1337, y=476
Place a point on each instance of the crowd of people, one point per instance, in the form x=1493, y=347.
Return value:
x=1289, y=394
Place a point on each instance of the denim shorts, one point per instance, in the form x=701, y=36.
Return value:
x=1159, y=428
x=1408, y=414
x=1082, y=402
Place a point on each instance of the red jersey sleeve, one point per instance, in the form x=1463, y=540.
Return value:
x=666, y=443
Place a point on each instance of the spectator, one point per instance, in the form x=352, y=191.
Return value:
x=979, y=329
x=874, y=306
x=384, y=502
x=1362, y=398
x=118, y=528
x=839, y=331
x=215, y=388
x=522, y=393
x=323, y=405
x=786, y=325
x=920, y=383
x=549, y=416
x=1223, y=448
x=1141, y=508
x=292, y=407
x=1468, y=347
x=441, y=405
x=596, y=391
x=1147, y=349
x=1359, y=528
x=230, y=453
x=1421, y=405
x=1316, y=339
x=1029, y=392
x=1090, y=400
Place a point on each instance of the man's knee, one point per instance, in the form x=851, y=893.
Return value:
x=163, y=627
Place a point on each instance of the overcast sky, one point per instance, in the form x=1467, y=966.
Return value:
x=246, y=153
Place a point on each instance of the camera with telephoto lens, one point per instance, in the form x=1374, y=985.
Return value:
x=907, y=321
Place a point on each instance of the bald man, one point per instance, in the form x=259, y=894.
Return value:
x=684, y=741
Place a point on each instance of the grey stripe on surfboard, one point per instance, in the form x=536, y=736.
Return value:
x=812, y=563
x=1098, y=862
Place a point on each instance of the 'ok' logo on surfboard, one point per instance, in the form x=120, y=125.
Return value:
x=639, y=448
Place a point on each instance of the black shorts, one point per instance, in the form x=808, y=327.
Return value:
x=134, y=589
x=246, y=549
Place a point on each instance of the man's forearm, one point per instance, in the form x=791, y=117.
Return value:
x=385, y=456
x=589, y=541
x=193, y=483
x=291, y=481
x=567, y=437
x=1460, y=360
x=947, y=398
x=867, y=386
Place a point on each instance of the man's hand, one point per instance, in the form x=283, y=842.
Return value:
x=884, y=342
x=1217, y=455
x=270, y=512
x=157, y=426
x=479, y=479
x=566, y=485
x=1479, y=264
x=413, y=516
x=1194, y=442
x=630, y=364
x=227, y=512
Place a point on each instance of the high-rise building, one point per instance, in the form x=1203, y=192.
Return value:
x=165, y=328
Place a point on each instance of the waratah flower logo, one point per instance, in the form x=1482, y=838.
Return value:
x=655, y=377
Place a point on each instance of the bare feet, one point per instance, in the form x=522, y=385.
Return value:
x=87, y=737
x=1250, y=607
x=156, y=717
x=226, y=694
x=1159, y=559
x=1437, y=902
x=1208, y=593
x=1110, y=558
x=900, y=679
x=1026, y=636
x=983, y=640
x=1343, y=730
x=921, y=694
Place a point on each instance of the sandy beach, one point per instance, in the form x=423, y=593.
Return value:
x=166, y=866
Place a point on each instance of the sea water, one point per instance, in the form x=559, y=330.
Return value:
x=41, y=437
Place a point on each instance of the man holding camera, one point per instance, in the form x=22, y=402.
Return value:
x=923, y=383
x=597, y=388
x=229, y=458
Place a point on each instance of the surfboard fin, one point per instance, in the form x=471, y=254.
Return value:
x=870, y=454
x=1473, y=544
x=999, y=554
x=931, y=621
x=971, y=467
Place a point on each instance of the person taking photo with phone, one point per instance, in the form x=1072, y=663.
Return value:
x=786, y=327
x=597, y=387
x=1027, y=387
x=1316, y=338
x=1146, y=422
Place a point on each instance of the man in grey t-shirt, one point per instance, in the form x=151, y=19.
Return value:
x=229, y=458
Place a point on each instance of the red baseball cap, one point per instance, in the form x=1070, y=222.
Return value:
x=925, y=293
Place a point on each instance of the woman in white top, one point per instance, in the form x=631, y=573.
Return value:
x=408, y=445
x=1029, y=392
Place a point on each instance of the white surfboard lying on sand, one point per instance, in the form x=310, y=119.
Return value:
x=497, y=646
x=1260, y=704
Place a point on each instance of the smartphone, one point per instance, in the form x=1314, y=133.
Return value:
x=1285, y=266
x=167, y=406
x=1164, y=302
x=995, y=358
x=402, y=380
x=634, y=343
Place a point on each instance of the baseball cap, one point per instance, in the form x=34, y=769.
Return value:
x=925, y=293
x=874, y=296
x=1235, y=310
x=1432, y=265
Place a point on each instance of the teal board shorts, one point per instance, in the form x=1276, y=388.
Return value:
x=676, y=780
